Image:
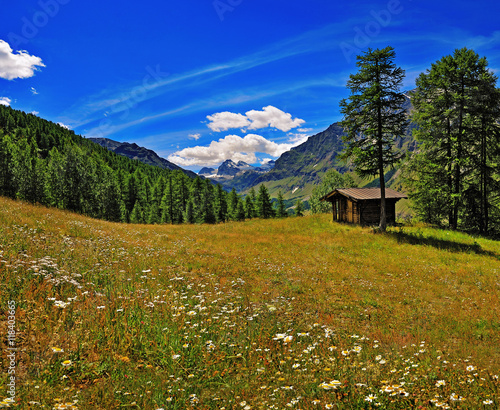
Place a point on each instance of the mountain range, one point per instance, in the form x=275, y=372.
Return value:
x=294, y=173
x=134, y=151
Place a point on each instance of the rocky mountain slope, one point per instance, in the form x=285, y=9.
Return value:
x=134, y=151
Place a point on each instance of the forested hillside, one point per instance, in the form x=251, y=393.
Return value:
x=42, y=162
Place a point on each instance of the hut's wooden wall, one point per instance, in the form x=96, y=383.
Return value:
x=370, y=212
x=362, y=212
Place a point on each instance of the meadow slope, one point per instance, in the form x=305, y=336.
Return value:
x=295, y=313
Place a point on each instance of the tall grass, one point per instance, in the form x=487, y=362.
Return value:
x=297, y=313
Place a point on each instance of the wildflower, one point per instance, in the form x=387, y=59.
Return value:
x=101, y=307
x=287, y=339
x=356, y=349
x=67, y=363
x=370, y=398
x=455, y=397
x=191, y=313
x=328, y=406
x=175, y=356
x=487, y=401
x=377, y=358
x=61, y=304
x=57, y=349
x=316, y=402
x=345, y=352
x=296, y=366
x=329, y=386
x=470, y=368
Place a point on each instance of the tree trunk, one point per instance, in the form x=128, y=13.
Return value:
x=383, y=218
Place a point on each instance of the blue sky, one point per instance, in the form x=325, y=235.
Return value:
x=200, y=81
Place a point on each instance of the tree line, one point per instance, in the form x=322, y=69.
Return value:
x=42, y=162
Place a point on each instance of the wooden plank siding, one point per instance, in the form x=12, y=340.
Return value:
x=362, y=205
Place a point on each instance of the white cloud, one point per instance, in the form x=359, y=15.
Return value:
x=297, y=138
x=34, y=91
x=230, y=147
x=273, y=117
x=17, y=64
x=194, y=136
x=35, y=112
x=222, y=121
x=5, y=101
x=269, y=117
x=63, y=125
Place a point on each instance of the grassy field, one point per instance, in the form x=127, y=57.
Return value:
x=299, y=313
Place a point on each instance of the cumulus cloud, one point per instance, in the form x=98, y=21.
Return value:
x=17, y=64
x=269, y=117
x=194, y=136
x=5, y=101
x=223, y=121
x=230, y=147
x=273, y=117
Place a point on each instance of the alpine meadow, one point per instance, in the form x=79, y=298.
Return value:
x=249, y=205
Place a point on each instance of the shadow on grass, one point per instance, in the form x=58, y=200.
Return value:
x=452, y=246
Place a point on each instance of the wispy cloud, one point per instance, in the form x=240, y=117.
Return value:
x=107, y=126
x=118, y=101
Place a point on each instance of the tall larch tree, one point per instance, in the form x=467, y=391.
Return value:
x=374, y=118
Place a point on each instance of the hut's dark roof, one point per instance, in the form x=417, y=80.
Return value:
x=360, y=194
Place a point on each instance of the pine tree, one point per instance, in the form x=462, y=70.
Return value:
x=250, y=203
x=456, y=108
x=137, y=214
x=220, y=204
x=240, y=211
x=264, y=205
x=299, y=208
x=373, y=117
x=280, y=206
x=6, y=185
x=232, y=204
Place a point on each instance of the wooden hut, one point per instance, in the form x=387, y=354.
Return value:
x=362, y=205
